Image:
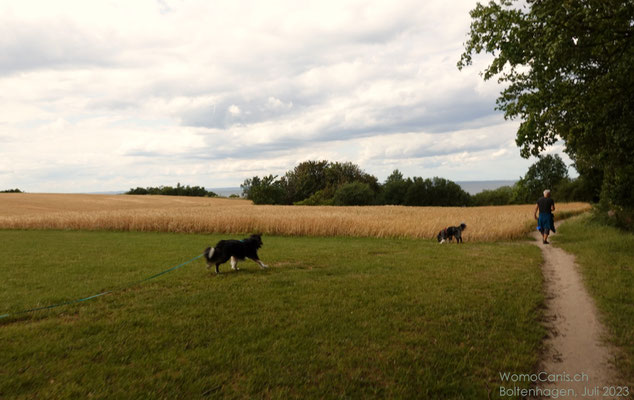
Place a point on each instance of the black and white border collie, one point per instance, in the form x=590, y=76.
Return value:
x=236, y=250
x=450, y=232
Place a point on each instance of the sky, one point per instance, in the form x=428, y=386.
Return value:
x=109, y=95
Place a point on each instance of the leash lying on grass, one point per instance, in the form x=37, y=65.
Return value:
x=99, y=294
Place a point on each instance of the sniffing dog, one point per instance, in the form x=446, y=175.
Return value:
x=450, y=232
x=236, y=250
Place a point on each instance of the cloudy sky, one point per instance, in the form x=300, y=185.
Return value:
x=108, y=95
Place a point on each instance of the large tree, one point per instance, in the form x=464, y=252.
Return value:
x=304, y=180
x=568, y=72
x=266, y=190
x=310, y=177
x=547, y=173
x=395, y=188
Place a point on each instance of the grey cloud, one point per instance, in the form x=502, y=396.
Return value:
x=220, y=149
x=457, y=109
x=440, y=148
x=235, y=111
x=114, y=105
x=52, y=44
x=456, y=112
x=222, y=146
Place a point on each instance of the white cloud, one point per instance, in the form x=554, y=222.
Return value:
x=112, y=94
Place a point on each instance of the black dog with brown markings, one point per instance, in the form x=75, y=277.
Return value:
x=450, y=232
x=236, y=250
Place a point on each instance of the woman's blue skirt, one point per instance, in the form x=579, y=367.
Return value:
x=546, y=221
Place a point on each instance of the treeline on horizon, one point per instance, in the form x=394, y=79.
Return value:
x=16, y=190
x=346, y=184
x=179, y=190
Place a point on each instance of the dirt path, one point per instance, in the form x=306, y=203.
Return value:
x=574, y=344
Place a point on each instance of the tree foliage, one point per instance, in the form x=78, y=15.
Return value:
x=578, y=189
x=179, y=190
x=547, y=173
x=353, y=194
x=497, y=197
x=568, y=71
x=310, y=177
x=435, y=192
x=264, y=190
x=304, y=180
x=326, y=183
x=395, y=188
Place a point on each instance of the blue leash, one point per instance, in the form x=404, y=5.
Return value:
x=99, y=294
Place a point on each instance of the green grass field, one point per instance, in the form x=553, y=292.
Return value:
x=331, y=318
x=606, y=259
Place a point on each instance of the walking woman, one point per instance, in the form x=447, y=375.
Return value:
x=546, y=220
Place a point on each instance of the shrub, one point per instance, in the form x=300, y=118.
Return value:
x=353, y=194
x=320, y=198
x=497, y=197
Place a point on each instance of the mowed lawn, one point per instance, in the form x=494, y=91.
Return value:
x=331, y=318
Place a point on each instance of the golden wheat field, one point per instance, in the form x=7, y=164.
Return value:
x=219, y=215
